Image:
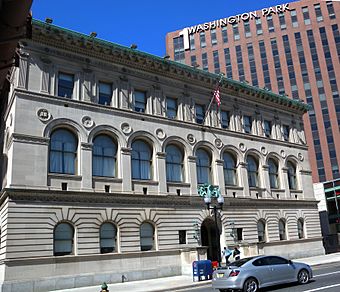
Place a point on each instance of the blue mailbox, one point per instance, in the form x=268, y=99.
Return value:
x=201, y=270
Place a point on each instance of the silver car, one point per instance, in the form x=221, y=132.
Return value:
x=251, y=274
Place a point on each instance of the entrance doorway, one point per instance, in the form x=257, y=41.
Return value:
x=209, y=239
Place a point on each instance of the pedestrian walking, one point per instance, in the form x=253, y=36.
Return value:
x=227, y=253
x=236, y=253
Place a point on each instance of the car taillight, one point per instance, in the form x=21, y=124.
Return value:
x=234, y=273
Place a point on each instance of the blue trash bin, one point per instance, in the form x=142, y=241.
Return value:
x=201, y=270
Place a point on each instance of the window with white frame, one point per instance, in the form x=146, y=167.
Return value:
x=203, y=166
x=174, y=164
x=229, y=168
x=140, y=101
x=65, y=85
x=104, y=156
x=141, y=158
x=273, y=173
x=253, y=172
x=105, y=93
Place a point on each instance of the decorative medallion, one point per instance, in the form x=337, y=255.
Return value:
x=87, y=122
x=160, y=134
x=242, y=147
x=264, y=150
x=301, y=157
x=191, y=139
x=126, y=128
x=43, y=114
x=283, y=154
x=218, y=143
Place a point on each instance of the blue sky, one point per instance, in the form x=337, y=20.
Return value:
x=141, y=22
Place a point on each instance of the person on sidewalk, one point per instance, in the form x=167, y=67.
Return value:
x=227, y=253
x=236, y=253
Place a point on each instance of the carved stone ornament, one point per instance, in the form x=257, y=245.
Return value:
x=126, y=128
x=300, y=156
x=43, y=114
x=191, y=139
x=264, y=150
x=242, y=147
x=160, y=134
x=88, y=123
x=283, y=154
x=218, y=143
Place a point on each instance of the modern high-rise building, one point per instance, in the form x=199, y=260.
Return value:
x=291, y=49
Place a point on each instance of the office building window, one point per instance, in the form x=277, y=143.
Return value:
x=253, y=172
x=192, y=42
x=203, y=162
x=105, y=93
x=216, y=60
x=247, y=124
x=252, y=65
x=273, y=173
x=277, y=65
x=305, y=13
x=265, y=67
x=290, y=67
x=65, y=85
x=199, y=113
x=203, y=43
x=147, y=236
x=282, y=21
x=174, y=164
x=104, y=156
x=247, y=29
x=318, y=12
x=182, y=236
x=236, y=32
x=213, y=37
x=108, y=237
x=225, y=119
x=63, y=237
x=282, y=229
x=336, y=36
x=261, y=230
x=291, y=176
x=193, y=61
x=171, y=108
x=267, y=128
x=330, y=9
x=230, y=169
x=294, y=18
x=140, y=101
x=228, y=67
x=270, y=23
x=179, y=49
x=259, y=30
x=300, y=228
x=205, y=62
x=225, y=34
x=141, y=159
x=239, y=60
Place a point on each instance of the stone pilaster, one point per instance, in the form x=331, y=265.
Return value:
x=284, y=184
x=192, y=173
x=23, y=70
x=126, y=169
x=161, y=172
x=243, y=178
x=220, y=175
x=86, y=166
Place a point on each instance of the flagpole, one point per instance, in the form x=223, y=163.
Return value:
x=212, y=99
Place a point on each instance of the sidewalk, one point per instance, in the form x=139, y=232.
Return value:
x=182, y=282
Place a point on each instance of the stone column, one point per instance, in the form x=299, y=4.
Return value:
x=243, y=178
x=157, y=101
x=23, y=70
x=126, y=169
x=45, y=75
x=87, y=85
x=86, y=166
x=124, y=98
x=236, y=118
x=192, y=175
x=161, y=171
x=220, y=176
x=284, y=184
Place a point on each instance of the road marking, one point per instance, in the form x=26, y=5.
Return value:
x=322, y=288
x=326, y=274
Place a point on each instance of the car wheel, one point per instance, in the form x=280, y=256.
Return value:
x=303, y=277
x=250, y=285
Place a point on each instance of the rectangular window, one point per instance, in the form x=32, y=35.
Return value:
x=213, y=37
x=282, y=21
x=252, y=65
x=105, y=93
x=225, y=119
x=270, y=23
x=247, y=121
x=228, y=67
x=240, y=63
x=239, y=234
x=236, y=32
x=224, y=34
x=258, y=26
x=65, y=85
x=192, y=42
x=294, y=18
x=140, y=101
x=182, y=236
x=179, y=49
x=285, y=132
x=330, y=9
x=267, y=128
x=216, y=60
x=199, y=114
x=265, y=67
x=193, y=61
x=202, y=40
x=247, y=29
x=171, y=108
x=318, y=12
x=305, y=13
x=205, y=61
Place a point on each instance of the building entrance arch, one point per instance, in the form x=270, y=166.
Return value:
x=210, y=238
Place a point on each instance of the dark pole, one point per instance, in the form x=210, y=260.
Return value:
x=217, y=238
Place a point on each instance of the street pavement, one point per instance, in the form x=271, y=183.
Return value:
x=186, y=282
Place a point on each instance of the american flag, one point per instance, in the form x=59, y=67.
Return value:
x=217, y=96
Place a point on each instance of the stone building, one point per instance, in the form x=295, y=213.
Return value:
x=105, y=147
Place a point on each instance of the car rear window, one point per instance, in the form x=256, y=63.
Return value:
x=240, y=262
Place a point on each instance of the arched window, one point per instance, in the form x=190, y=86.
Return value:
x=282, y=229
x=253, y=173
x=229, y=168
x=63, y=239
x=147, y=236
x=273, y=174
x=261, y=231
x=104, y=156
x=174, y=164
x=203, y=167
x=108, y=234
x=301, y=229
x=63, y=152
x=141, y=160
x=291, y=175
